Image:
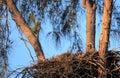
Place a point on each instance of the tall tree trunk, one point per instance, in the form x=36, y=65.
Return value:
x=104, y=37
x=26, y=30
x=90, y=24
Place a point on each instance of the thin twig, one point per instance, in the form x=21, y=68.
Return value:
x=29, y=51
x=26, y=46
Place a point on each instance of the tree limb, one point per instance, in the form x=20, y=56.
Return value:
x=84, y=3
x=26, y=29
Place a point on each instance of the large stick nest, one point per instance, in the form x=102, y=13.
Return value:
x=78, y=65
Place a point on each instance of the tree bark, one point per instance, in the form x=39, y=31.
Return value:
x=26, y=29
x=90, y=24
x=104, y=37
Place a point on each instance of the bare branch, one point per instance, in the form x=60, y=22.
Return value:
x=84, y=3
x=26, y=29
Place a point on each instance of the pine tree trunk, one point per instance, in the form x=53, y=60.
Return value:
x=26, y=30
x=90, y=24
x=104, y=37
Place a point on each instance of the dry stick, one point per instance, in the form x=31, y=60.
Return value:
x=118, y=68
x=13, y=72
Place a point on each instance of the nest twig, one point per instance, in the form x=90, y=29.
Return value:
x=78, y=65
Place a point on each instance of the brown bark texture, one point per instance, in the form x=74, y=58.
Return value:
x=104, y=37
x=25, y=29
x=90, y=24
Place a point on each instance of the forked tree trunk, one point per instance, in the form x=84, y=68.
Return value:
x=26, y=30
x=104, y=37
x=90, y=24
